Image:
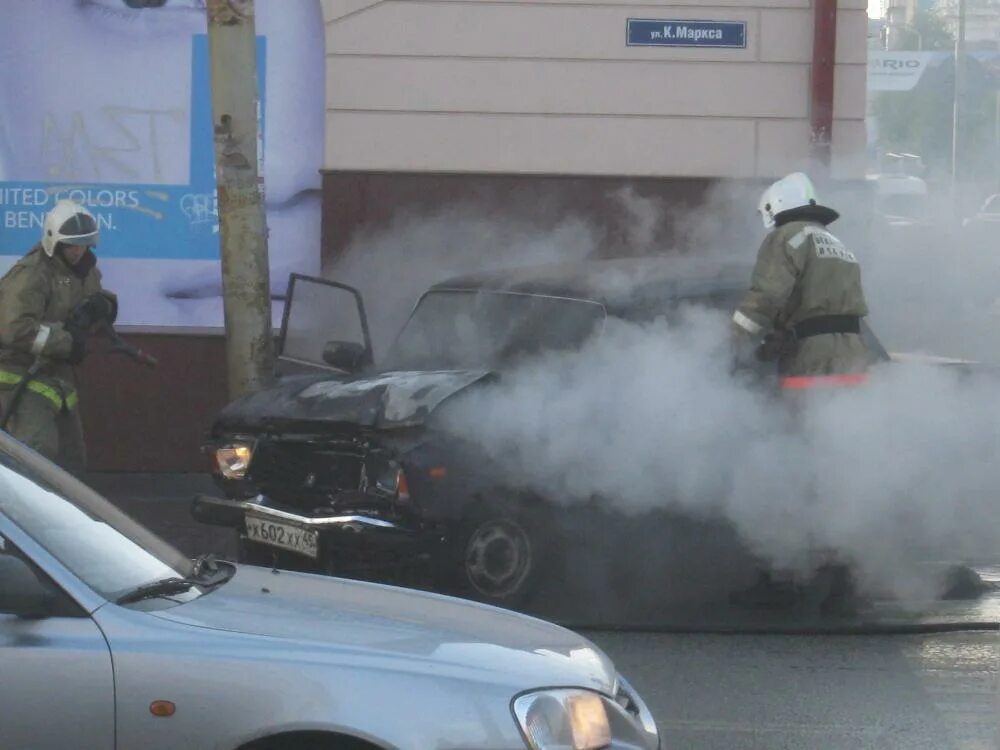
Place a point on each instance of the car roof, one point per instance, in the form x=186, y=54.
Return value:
x=616, y=283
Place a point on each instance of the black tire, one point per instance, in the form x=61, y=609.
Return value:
x=496, y=556
x=832, y=591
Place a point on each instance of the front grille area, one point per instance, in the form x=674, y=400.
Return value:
x=306, y=475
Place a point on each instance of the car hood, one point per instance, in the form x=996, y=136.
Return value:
x=428, y=631
x=390, y=399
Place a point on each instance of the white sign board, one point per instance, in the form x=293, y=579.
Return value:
x=897, y=71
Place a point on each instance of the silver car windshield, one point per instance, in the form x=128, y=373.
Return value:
x=98, y=543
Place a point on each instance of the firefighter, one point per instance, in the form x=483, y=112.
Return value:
x=48, y=302
x=805, y=296
x=806, y=301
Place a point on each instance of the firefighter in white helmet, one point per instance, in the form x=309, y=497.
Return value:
x=805, y=298
x=43, y=298
x=806, y=304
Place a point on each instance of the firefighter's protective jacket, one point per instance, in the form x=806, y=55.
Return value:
x=36, y=297
x=803, y=272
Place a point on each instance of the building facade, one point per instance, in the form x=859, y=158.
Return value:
x=552, y=95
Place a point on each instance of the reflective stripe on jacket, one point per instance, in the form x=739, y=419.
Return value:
x=36, y=296
x=805, y=382
x=49, y=393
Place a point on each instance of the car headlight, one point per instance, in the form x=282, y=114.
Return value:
x=558, y=719
x=576, y=719
x=233, y=460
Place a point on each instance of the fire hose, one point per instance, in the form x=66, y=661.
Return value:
x=121, y=346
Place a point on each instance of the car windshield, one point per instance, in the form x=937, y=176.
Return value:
x=486, y=329
x=94, y=540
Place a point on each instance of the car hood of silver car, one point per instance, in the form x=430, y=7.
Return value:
x=351, y=619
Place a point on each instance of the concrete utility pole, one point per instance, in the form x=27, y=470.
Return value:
x=232, y=48
x=959, y=94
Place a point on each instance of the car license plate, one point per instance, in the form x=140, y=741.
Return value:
x=303, y=541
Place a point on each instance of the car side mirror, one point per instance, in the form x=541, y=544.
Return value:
x=344, y=355
x=21, y=593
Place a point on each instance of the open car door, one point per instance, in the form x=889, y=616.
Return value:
x=324, y=326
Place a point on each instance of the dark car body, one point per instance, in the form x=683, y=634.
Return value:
x=350, y=473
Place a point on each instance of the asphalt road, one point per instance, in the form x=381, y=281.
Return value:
x=739, y=691
x=830, y=692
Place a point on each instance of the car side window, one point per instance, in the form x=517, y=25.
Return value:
x=18, y=576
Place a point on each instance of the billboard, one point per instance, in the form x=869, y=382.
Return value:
x=899, y=70
x=110, y=106
x=903, y=70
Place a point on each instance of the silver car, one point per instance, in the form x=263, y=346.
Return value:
x=110, y=638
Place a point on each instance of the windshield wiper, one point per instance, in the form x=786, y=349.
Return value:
x=204, y=565
x=163, y=587
x=210, y=571
x=206, y=572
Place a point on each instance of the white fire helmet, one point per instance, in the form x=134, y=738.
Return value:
x=793, y=191
x=71, y=223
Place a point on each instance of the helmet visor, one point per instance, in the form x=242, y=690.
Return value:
x=79, y=229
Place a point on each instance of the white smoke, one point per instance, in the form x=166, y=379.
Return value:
x=647, y=417
x=393, y=266
x=643, y=219
x=938, y=292
x=932, y=283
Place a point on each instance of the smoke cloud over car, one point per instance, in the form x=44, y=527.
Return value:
x=651, y=416
x=392, y=267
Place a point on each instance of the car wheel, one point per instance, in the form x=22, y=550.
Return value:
x=496, y=557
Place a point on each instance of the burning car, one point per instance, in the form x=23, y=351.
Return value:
x=345, y=466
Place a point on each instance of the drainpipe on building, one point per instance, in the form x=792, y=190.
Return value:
x=246, y=287
x=821, y=85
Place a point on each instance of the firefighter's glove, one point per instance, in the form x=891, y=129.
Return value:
x=776, y=344
x=97, y=308
x=111, y=300
x=102, y=307
x=79, y=348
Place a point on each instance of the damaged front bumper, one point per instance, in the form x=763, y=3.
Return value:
x=323, y=539
x=220, y=511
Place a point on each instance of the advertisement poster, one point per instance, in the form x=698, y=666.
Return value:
x=111, y=106
x=898, y=70
x=903, y=70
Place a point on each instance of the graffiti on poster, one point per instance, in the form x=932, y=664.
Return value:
x=115, y=113
x=155, y=221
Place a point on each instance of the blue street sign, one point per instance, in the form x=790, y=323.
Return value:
x=650, y=32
